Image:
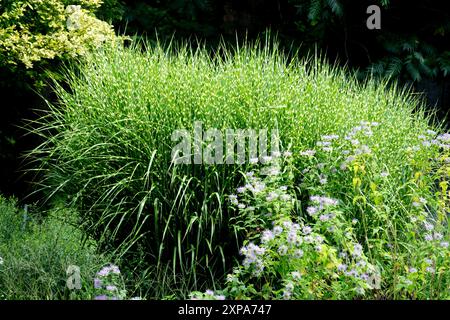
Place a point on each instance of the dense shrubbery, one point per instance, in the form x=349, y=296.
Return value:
x=35, y=255
x=109, y=154
x=33, y=33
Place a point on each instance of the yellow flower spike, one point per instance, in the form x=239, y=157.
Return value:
x=373, y=187
x=356, y=182
x=444, y=186
x=417, y=175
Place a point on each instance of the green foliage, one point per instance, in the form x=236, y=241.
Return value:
x=34, y=32
x=108, y=150
x=180, y=18
x=112, y=11
x=411, y=59
x=36, y=253
x=378, y=240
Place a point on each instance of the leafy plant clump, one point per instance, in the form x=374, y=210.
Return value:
x=109, y=142
x=37, y=256
x=372, y=242
x=33, y=34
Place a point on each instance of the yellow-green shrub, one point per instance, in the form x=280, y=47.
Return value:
x=35, y=31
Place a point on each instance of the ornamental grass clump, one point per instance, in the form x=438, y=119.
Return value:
x=108, y=149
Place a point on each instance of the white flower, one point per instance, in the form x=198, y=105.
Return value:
x=342, y=267
x=298, y=253
x=241, y=189
x=267, y=235
x=357, y=250
x=282, y=250
x=437, y=236
x=1, y=261
x=296, y=275
x=277, y=230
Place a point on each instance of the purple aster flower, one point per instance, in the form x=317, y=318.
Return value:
x=277, y=230
x=430, y=269
x=364, y=276
x=307, y=230
x=444, y=137
x=97, y=283
x=233, y=199
x=292, y=237
x=282, y=250
x=357, y=250
x=101, y=297
x=437, y=236
x=342, y=267
x=298, y=253
x=361, y=263
x=428, y=237
x=267, y=235
x=104, y=272
x=271, y=196
x=241, y=189
x=312, y=210
x=111, y=288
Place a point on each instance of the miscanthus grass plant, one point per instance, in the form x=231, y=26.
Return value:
x=108, y=151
